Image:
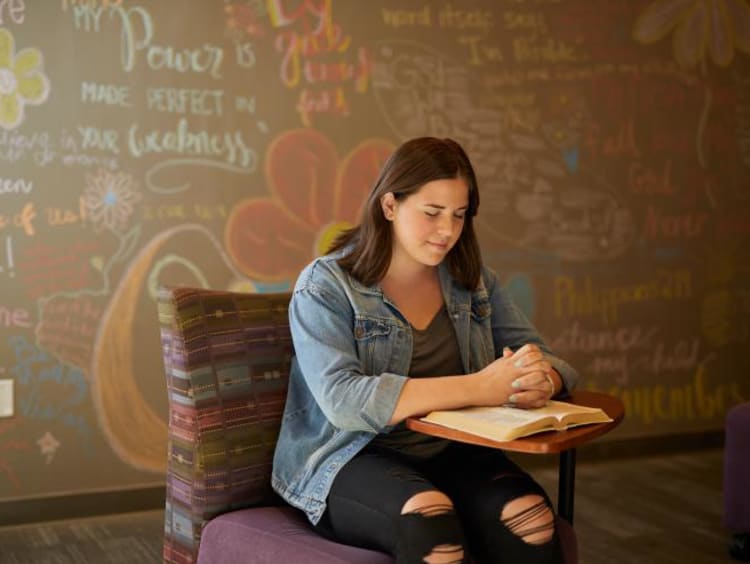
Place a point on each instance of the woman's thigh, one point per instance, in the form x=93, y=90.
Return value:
x=367, y=499
x=481, y=482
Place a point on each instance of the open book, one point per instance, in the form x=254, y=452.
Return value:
x=504, y=423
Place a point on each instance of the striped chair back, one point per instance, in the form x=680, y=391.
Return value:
x=226, y=357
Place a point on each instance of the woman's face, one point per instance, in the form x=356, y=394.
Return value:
x=427, y=223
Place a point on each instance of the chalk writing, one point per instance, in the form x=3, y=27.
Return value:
x=627, y=352
x=618, y=143
x=67, y=327
x=575, y=338
x=22, y=220
x=100, y=139
x=582, y=72
x=163, y=212
x=656, y=361
x=50, y=391
x=195, y=101
x=49, y=268
x=13, y=10
x=649, y=182
x=245, y=104
x=573, y=299
x=244, y=54
x=306, y=57
x=401, y=17
x=8, y=265
x=15, y=146
x=15, y=186
x=450, y=17
x=480, y=52
x=661, y=224
x=182, y=140
x=549, y=50
x=87, y=17
x=12, y=317
x=204, y=59
x=528, y=22
x=137, y=39
x=695, y=400
x=109, y=94
x=91, y=4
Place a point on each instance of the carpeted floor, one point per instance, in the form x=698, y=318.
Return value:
x=132, y=538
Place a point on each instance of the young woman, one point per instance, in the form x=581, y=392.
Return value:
x=400, y=319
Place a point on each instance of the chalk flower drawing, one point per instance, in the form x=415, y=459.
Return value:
x=110, y=198
x=714, y=26
x=314, y=196
x=21, y=80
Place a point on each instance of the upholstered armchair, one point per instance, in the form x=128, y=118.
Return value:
x=227, y=358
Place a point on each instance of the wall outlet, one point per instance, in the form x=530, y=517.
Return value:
x=6, y=398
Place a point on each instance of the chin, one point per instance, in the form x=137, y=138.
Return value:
x=433, y=259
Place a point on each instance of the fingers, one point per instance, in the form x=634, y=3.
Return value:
x=534, y=387
x=528, y=399
x=526, y=356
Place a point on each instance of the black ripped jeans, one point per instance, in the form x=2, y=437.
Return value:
x=366, y=500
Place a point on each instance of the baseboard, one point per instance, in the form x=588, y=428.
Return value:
x=77, y=506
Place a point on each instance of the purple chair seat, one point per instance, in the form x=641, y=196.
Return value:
x=268, y=535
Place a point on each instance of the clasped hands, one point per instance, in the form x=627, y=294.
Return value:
x=525, y=376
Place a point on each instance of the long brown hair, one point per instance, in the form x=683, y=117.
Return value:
x=413, y=164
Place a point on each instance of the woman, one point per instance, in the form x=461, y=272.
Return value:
x=400, y=319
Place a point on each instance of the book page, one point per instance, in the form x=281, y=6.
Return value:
x=506, y=422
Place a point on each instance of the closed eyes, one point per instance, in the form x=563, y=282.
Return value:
x=435, y=214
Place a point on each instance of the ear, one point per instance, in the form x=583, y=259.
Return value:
x=388, y=205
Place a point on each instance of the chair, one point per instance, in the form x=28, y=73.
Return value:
x=736, y=473
x=227, y=358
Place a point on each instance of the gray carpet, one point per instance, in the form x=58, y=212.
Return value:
x=121, y=539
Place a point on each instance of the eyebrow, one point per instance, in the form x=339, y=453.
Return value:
x=437, y=206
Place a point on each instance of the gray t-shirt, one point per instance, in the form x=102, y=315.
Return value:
x=435, y=353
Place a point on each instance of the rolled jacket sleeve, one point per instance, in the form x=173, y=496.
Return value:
x=511, y=328
x=322, y=321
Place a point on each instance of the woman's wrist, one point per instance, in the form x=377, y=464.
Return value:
x=555, y=379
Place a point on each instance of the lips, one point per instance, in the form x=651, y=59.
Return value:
x=439, y=246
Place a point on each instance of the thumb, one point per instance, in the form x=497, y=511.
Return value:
x=507, y=352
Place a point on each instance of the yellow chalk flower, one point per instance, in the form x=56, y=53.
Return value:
x=714, y=26
x=21, y=80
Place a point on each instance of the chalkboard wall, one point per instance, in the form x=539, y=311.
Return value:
x=224, y=143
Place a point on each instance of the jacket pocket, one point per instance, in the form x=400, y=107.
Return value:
x=374, y=339
x=480, y=307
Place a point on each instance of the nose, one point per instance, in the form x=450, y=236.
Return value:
x=445, y=226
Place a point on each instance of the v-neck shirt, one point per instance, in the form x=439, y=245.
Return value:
x=435, y=352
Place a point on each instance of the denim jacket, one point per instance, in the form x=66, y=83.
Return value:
x=353, y=350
